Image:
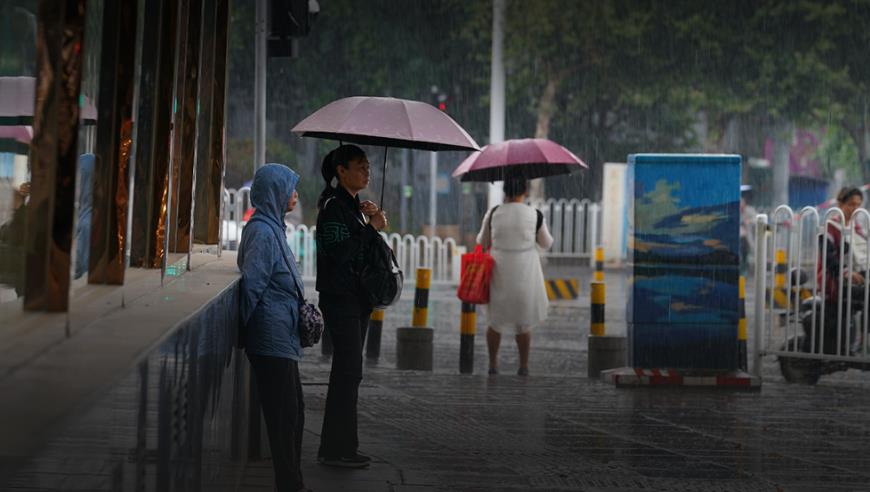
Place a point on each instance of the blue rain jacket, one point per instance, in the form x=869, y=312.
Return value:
x=270, y=289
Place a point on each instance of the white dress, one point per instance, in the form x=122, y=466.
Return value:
x=517, y=296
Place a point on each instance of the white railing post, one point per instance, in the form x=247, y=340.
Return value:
x=594, y=212
x=569, y=212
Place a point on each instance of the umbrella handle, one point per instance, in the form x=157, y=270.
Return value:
x=383, y=179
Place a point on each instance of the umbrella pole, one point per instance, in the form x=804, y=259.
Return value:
x=383, y=179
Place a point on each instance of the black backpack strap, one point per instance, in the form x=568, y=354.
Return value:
x=540, y=221
x=491, y=213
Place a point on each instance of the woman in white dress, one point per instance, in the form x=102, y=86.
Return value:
x=517, y=296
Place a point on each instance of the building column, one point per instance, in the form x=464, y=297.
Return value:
x=185, y=130
x=154, y=119
x=114, y=143
x=54, y=155
x=210, y=140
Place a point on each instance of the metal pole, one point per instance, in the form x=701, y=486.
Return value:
x=433, y=198
x=496, y=93
x=760, y=287
x=403, y=200
x=260, y=85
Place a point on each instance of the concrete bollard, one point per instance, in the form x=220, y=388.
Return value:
x=599, y=264
x=742, y=363
x=373, y=340
x=414, y=343
x=467, y=329
x=605, y=352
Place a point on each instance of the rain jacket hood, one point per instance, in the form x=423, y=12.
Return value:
x=273, y=185
x=270, y=289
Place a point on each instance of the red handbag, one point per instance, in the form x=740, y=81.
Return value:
x=475, y=275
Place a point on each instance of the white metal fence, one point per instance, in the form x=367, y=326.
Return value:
x=809, y=326
x=441, y=255
x=575, y=226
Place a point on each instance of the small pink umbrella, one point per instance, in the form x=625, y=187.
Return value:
x=528, y=158
x=17, y=99
x=387, y=122
x=19, y=133
x=16, y=139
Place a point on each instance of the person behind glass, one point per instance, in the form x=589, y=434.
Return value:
x=517, y=296
x=346, y=228
x=270, y=291
x=11, y=242
x=836, y=269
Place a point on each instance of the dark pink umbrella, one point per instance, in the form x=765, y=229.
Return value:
x=387, y=122
x=528, y=158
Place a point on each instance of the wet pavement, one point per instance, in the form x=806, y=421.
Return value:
x=558, y=430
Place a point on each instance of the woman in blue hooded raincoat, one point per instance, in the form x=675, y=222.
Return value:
x=270, y=292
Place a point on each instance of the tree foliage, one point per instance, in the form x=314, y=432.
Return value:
x=604, y=77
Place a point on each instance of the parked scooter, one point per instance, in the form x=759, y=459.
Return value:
x=805, y=370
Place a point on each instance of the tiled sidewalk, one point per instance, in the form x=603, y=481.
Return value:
x=438, y=431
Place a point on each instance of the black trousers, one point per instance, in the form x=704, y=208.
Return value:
x=338, y=437
x=284, y=411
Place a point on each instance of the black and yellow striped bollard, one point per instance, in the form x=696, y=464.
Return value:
x=603, y=352
x=599, y=264
x=467, y=329
x=597, y=309
x=421, y=298
x=742, y=363
x=780, y=296
x=414, y=343
x=373, y=340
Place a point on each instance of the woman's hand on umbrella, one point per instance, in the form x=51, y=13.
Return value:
x=368, y=208
x=378, y=220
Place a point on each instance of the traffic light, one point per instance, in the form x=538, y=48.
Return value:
x=439, y=98
x=290, y=18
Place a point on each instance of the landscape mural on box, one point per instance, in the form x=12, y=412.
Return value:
x=684, y=242
x=683, y=219
x=684, y=246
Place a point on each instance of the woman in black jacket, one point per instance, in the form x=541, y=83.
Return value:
x=346, y=228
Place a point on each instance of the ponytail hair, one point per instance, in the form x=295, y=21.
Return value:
x=339, y=156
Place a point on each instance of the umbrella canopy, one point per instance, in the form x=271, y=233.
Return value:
x=387, y=122
x=17, y=97
x=19, y=133
x=15, y=139
x=528, y=158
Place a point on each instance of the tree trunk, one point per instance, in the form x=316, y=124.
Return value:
x=782, y=138
x=546, y=110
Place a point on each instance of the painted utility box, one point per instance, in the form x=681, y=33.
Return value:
x=683, y=226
